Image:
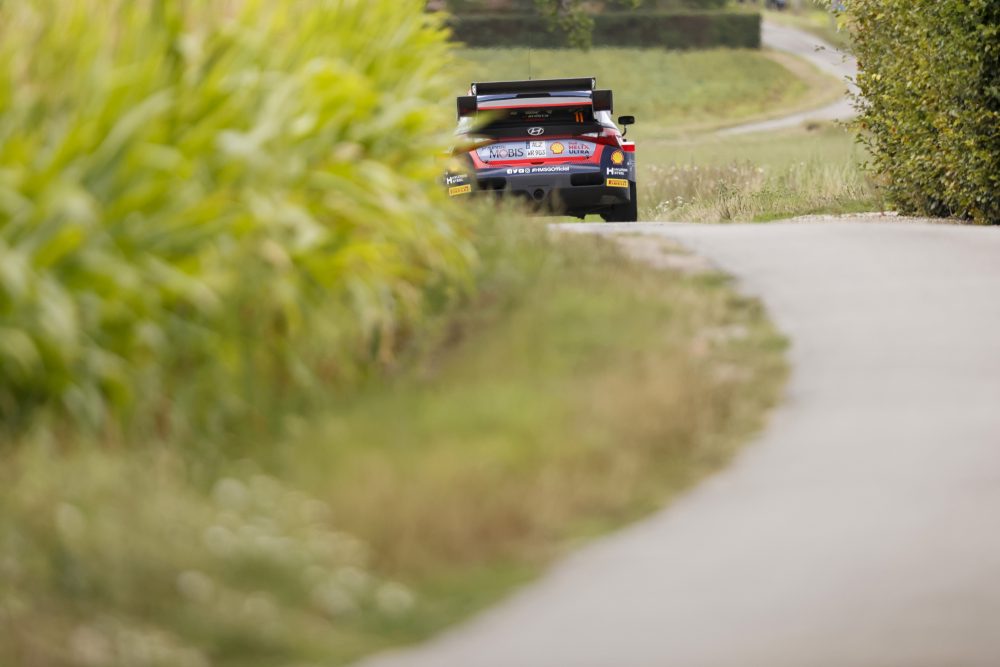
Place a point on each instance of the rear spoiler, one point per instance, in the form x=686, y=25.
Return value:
x=603, y=100
x=534, y=86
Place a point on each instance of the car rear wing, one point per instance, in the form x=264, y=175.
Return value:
x=533, y=86
x=602, y=100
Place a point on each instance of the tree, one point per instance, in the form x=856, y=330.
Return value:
x=570, y=18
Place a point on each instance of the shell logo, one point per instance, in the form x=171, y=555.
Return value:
x=617, y=157
x=557, y=148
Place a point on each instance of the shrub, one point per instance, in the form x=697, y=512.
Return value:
x=637, y=28
x=678, y=31
x=206, y=207
x=528, y=6
x=930, y=102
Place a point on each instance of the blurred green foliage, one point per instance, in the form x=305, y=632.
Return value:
x=592, y=6
x=639, y=29
x=930, y=102
x=579, y=24
x=208, y=207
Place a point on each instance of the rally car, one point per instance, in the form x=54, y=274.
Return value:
x=550, y=142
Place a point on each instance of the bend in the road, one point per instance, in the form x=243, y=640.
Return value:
x=824, y=57
x=859, y=530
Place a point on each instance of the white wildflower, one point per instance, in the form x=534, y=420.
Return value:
x=394, y=599
x=231, y=494
x=196, y=586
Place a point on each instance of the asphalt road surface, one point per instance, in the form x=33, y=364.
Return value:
x=862, y=528
x=820, y=54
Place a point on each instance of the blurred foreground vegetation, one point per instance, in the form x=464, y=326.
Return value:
x=196, y=196
x=575, y=392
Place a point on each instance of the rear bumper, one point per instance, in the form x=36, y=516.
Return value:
x=571, y=189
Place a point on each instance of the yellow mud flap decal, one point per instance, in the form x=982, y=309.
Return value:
x=460, y=190
x=617, y=183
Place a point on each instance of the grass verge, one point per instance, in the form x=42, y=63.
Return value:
x=577, y=392
x=756, y=177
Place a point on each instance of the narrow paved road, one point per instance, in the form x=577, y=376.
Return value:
x=861, y=529
x=823, y=56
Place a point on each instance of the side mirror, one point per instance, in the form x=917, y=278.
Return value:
x=625, y=121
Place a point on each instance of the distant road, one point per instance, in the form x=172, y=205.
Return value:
x=860, y=530
x=821, y=54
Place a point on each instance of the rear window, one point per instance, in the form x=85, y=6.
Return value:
x=493, y=121
x=503, y=118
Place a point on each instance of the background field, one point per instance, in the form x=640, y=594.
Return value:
x=669, y=92
x=686, y=171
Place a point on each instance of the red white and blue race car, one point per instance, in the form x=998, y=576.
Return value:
x=551, y=142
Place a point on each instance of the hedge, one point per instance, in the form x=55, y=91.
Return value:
x=930, y=102
x=669, y=30
x=529, y=6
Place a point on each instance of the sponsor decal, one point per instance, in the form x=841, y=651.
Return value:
x=617, y=171
x=617, y=183
x=455, y=180
x=533, y=150
x=502, y=152
x=536, y=131
x=460, y=190
x=618, y=157
x=536, y=170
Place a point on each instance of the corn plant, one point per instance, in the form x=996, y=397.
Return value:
x=210, y=207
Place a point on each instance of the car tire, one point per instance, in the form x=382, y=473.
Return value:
x=627, y=212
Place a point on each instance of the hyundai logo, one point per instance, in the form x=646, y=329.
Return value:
x=536, y=131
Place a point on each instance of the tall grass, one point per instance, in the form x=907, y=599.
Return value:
x=206, y=208
x=757, y=178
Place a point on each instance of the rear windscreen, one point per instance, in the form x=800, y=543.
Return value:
x=506, y=118
x=570, y=115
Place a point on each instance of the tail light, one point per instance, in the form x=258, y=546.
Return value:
x=605, y=138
